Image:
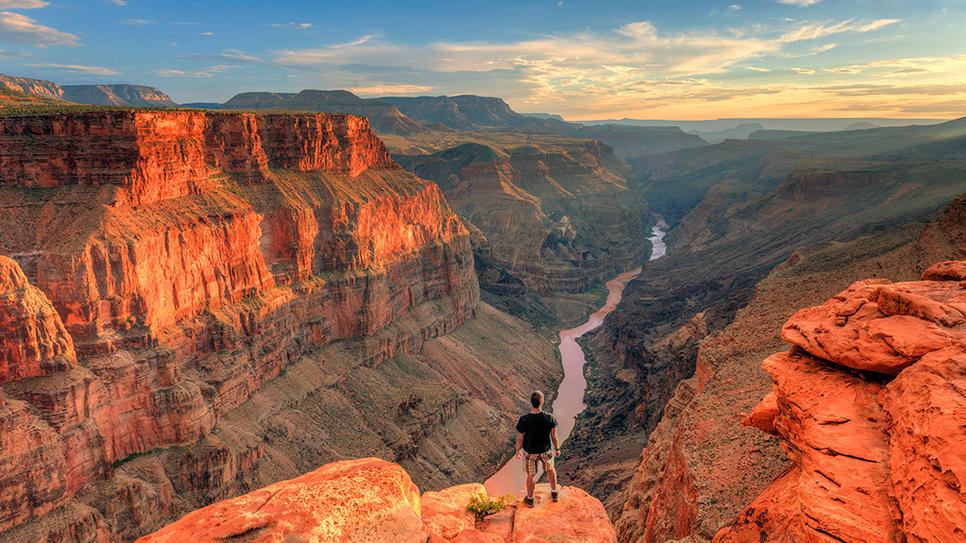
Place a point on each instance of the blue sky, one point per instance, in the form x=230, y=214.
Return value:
x=642, y=59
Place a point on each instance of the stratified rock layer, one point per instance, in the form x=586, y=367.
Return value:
x=248, y=296
x=33, y=340
x=373, y=500
x=874, y=458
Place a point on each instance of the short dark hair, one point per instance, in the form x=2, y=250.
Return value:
x=536, y=399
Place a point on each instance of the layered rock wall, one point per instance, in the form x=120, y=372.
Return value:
x=169, y=268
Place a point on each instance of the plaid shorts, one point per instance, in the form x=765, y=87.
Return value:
x=530, y=461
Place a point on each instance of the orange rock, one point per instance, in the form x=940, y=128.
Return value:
x=576, y=518
x=354, y=500
x=927, y=412
x=764, y=414
x=834, y=429
x=775, y=515
x=445, y=515
x=33, y=340
x=881, y=327
x=951, y=270
x=874, y=459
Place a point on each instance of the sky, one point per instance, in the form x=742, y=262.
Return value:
x=643, y=59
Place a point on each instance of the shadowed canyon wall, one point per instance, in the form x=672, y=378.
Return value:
x=198, y=304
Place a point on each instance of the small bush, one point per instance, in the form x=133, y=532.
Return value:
x=482, y=506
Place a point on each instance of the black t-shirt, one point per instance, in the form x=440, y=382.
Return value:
x=535, y=428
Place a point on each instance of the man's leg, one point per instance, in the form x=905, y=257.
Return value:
x=552, y=477
x=530, y=485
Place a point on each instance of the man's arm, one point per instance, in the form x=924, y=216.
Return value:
x=553, y=437
x=519, y=443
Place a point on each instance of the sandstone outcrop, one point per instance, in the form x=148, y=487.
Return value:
x=208, y=301
x=373, y=500
x=877, y=455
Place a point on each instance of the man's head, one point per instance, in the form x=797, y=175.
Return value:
x=536, y=399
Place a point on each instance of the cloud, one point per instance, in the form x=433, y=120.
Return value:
x=93, y=70
x=799, y=3
x=634, y=70
x=814, y=31
x=230, y=56
x=206, y=33
x=384, y=89
x=22, y=4
x=875, y=25
x=291, y=25
x=118, y=2
x=17, y=28
x=136, y=22
x=734, y=7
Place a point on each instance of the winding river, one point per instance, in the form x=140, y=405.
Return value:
x=570, y=394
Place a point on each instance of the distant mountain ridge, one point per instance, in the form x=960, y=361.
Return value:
x=97, y=95
x=383, y=116
x=482, y=113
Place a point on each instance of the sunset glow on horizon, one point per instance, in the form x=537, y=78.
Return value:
x=655, y=60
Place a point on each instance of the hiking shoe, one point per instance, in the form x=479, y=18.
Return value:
x=528, y=502
x=554, y=496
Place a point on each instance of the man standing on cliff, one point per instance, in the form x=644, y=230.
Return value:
x=536, y=432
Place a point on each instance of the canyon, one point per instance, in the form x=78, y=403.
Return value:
x=224, y=315
x=771, y=231
x=198, y=304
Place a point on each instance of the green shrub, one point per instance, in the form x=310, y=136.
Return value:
x=483, y=506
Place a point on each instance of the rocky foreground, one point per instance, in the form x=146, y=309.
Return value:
x=373, y=500
x=870, y=406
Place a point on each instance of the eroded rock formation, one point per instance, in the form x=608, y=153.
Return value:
x=209, y=302
x=877, y=454
x=553, y=214
x=375, y=501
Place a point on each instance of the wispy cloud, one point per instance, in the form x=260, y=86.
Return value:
x=22, y=4
x=757, y=69
x=384, y=89
x=799, y=3
x=137, y=22
x=227, y=56
x=93, y=70
x=814, y=31
x=17, y=28
x=118, y=2
x=734, y=7
x=291, y=25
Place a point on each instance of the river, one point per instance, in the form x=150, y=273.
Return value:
x=570, y=394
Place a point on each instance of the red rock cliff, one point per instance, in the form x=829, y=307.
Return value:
x=871, y=410
x=189, y=259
